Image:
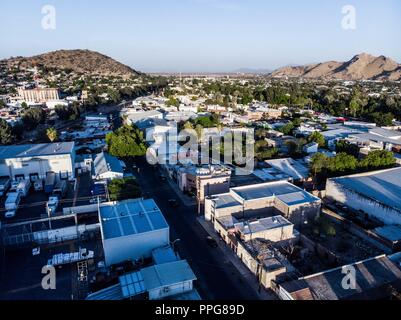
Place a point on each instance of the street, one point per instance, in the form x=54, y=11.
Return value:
x=218, y=279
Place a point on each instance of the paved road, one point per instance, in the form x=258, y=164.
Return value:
x=217, y=277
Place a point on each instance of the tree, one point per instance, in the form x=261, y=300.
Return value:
x=349, y=148
x=33, y=117
x=6, y=133
x=287, y=129
x=52, y=134
x=122, y=189
x=378, y=159
x=127, y=141
x=319, y=166
x=342, y=164
x=318, y=138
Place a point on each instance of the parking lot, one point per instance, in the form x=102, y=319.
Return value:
x=34, y=205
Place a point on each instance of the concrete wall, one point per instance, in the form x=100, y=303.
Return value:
x=336, y=192
x=135, y=246
x=252, y=264
x=275, y=235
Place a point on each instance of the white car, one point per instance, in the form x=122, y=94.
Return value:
x=10, y=214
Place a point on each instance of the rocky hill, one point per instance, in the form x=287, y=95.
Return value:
x=361, y=67
x=79, y=61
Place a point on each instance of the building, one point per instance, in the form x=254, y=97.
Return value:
x=288, y=166
x=204, y=181
x=38, y=95
x=107, y=167
x=136, y=117
x=263, y=200
x=131, y=230
x=311, y=148
x=171, y=280
x=374, y=279
x=377, y=194
x=168, y=279
x=33, y=161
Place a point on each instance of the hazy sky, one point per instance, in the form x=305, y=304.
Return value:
x=204, y=35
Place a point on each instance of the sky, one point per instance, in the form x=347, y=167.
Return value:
x=204, y=35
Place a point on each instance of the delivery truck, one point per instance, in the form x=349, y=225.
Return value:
x=23, y=187
x=5, y=184
x=50, y=182
x=12, y=203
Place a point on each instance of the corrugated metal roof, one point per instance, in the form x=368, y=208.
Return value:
x=36, y=150
x=130, y=217
x=166, y=274
x=383, y=186
x=104, y=162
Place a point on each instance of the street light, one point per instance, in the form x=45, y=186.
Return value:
x=173, y=245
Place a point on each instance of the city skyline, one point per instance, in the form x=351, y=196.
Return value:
x=205, y=35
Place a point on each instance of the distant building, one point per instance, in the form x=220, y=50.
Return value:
x=205, y=181
x=38, y=95
x=377, y=194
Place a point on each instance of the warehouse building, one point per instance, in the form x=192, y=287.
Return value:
x=377, y=194
x=263, y=200
x=33, y=161
x=131, y=230
x=107, y=167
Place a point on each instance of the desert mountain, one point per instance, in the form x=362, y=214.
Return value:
x=361, y=67
x=80, y=61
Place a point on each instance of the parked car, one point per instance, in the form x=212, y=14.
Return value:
x=211, y=242
x=174, y=203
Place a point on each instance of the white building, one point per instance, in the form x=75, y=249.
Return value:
x=131, y=230
x=33, y=161
x=107, y=167
x=262, y=200
x=377, y=193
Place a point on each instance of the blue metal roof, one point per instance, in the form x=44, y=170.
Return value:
x=130, y=217
x=36, y=150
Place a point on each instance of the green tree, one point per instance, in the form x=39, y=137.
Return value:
x=52, y=134
x=349, y=148
x=287, y=129
x=127, y=141
x=122, y=189
x=378, y=159
x=33, y=117
x=318, y=138
x=6, y=133
x=342, y=164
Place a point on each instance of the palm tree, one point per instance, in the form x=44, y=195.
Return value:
x=52, y=134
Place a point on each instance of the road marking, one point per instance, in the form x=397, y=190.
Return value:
x=76, y=192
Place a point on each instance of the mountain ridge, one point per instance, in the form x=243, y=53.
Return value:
x=77, y=60
x=360, y=67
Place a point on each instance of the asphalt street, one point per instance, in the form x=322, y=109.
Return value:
x=218, y=279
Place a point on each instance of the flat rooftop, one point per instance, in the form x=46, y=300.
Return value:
x=283, y=190
x=289, y=166
x=383, y=186
x=252, y=227
x=36, y=150
x=130, y=217
x=166, y=274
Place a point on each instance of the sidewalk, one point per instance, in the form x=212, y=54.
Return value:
x=188, y=202
x=248, y=276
